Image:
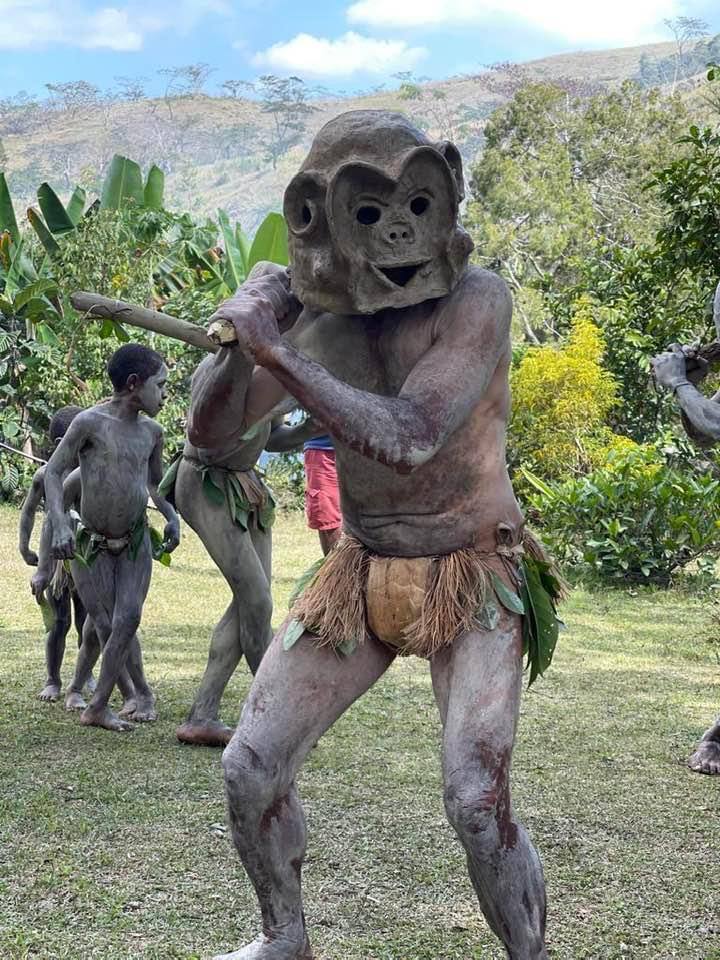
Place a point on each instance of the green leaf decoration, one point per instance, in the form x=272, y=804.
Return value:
x=154, y=191
x=488, y=616
x=56, y=216
x=347, y=647
x=540, y=626
x=7, y=211
x=137, y=536
x=167, y=484
x=46, y=238
x=76, y=205
x=119, y=332
x=304, y=581
x=47, y=612
x=211, y=491
x=294, y=630
x=507, y=597
x=270, y=242
x=123, y=183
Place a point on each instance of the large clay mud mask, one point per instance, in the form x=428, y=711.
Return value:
x=369, y=234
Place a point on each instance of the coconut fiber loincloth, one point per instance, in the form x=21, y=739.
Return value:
x=418, y=605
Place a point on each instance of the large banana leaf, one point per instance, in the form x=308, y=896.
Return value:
x=46, y=238
x=154, y=192
x=235, y=255
x=76, y=205
x=270, y=242
x=7, y=213
x=122, y=183
x=57, y=219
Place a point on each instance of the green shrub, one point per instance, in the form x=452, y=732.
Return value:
x=286, y=477
x=639, y=518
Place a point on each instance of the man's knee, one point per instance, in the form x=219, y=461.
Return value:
x=252, y=773
x=126, y=622
x=478, y=805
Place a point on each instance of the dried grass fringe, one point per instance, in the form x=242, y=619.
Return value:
x=61, y=581
x=333, y=606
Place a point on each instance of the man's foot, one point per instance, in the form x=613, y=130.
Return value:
x=140, y=710
x=50, y=692
x=75, y=701
x=706, y=758
x=204, y=733
x=105, y=719
x=264, y=949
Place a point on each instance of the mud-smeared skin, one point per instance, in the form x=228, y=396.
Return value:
x=416, y=400
x=120, y=458
x=63, y=605
x=701, y=419
x=242, y=556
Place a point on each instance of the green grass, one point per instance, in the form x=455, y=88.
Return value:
x=115, y=847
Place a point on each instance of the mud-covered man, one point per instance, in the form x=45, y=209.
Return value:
x=701, y=418
x=402, y=351
x=119, y=452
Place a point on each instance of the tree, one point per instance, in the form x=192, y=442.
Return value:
x=285, y=101
x=74, y=96
x=685, y=30
x=560, y=174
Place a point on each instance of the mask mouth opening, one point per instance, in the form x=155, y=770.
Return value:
x=402, y=275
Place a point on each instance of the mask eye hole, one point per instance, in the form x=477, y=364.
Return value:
x=306, y=214
x=368, y=215
x=419, y=205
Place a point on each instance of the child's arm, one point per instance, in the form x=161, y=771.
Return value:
x=63, y=460
x=171, y=536
x=27, y=517
x=46, y=564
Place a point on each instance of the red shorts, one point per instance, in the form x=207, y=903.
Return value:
x=322, y=497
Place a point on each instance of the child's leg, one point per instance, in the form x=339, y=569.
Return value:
x=55, y=643
x=141, y=708
x=124, y=593
x=80, y=616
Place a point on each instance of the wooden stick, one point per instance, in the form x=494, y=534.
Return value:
x=107, y=309
x=21, y=453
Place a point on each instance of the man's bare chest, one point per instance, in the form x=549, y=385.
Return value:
x=369, y=353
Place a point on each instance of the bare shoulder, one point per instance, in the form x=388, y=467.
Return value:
x=153, y=427
x=480, y=301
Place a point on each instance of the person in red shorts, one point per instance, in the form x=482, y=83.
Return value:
x=322, y=497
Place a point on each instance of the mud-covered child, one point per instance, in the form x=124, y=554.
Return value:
x=120, y=457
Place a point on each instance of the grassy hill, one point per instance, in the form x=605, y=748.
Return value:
x=214, y=149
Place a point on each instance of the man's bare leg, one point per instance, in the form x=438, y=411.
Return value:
x=477, y=684
x=328, y=539
x=244, y=560
x=706, y=758
x=55, y=644
x=295, y=697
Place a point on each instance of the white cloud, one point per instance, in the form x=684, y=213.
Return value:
x=348, y=54
x=38, y=24
x=610, y=22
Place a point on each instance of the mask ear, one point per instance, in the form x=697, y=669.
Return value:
x=452, y=155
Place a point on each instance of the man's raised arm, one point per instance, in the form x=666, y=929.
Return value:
x=223, y=405
x=701, y=415
x=403, y=432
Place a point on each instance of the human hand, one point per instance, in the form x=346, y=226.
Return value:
x=697, y=368
x=38, y=584
x=29, y=556
x=171, y=536
x=63, y=541
x=670, y=368
x=259, y=308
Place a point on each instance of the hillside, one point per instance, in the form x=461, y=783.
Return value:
x=215, y=149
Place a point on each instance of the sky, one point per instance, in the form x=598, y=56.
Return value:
x=340, y=45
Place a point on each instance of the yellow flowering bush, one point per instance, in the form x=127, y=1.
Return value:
x=562, y=398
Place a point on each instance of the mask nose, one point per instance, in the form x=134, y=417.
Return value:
x=399, y=234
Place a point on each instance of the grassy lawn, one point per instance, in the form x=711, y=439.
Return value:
x=115, y=848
